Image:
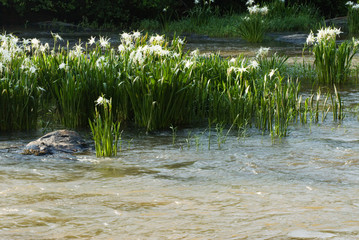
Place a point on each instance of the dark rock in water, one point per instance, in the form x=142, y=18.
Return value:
x=58, y=141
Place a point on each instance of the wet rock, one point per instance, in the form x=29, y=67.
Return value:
x=58, y=141
x=293, y=38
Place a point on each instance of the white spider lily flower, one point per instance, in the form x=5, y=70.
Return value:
x=44, y=47
x=91, y=40
x=241, y=69
x=63, y=66
x=253, y=9
x=272, y=73
x=194, y=53
x=263, y=10
x=232, y=61
x=104, y=42
x=121, y=48
x=326, y=34
x=101, y=62
x=196, y=2
x=102, y=101
x=250, y=2
x=158, y=39
x=230, y=70
x=262, y=52
x=188, y=63
x=136, y=35
x=310, y=38
x=56, y=36
x=349, y=3
x=356, y=6
x=126, y=38
x=32, y=69
x=35, y=42
x=254, y=64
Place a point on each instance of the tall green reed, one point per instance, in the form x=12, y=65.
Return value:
x=253, y=27
x=353, y=17
x=332, y=62
x=19, y=90
x=106, y=132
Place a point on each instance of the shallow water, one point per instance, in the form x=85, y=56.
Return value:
x=304, y=186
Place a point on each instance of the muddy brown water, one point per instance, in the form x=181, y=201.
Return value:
x=304, y=186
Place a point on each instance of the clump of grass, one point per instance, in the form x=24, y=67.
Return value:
x=353, y=17
x=201, y=12
x=332, y=63
x=106, y=133
x=252, y=27
x=19, y=90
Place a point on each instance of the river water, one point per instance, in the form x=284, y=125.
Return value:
x=304, y=186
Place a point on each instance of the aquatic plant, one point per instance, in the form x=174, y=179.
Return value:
x=252, y=27
x=201, y=12
x=353, y=17
x=106, y=132
x=19, y=90
x=332, y=63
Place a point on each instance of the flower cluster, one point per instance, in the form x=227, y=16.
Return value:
x=256, y=9
x=324, y=34
x=352, y=5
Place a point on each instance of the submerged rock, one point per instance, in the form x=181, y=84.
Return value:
x=58, y=141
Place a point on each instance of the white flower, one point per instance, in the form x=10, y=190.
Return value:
x=32, y=69
x=194, y=53
x=232, y=61
x=253, y=9
x=158, y=39
x=250, y=2
x=25, y=41
x=63, y=66
x=101, y=101
x=241, y=69
x=356, y=6
x=349, y=3
x=262, y=52
x=121, y=48
x=230, y=70
x=126, y=38
x=136, y=34
x=92, y=40
x=56, y=36
x=35, y=42
x=272, y=73
x=188, y=64
x=104, y=42
x=196, y=1
x=310, y=38
x=254, y=64
x=101, y=62
x=45, y=47
x=326, y=34
x=264, y=10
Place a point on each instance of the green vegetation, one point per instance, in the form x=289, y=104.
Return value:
x=106, y=133
x=153, y=84
x=332, y=62
x=252, y=28
x=353, y=17
x=207, y=20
